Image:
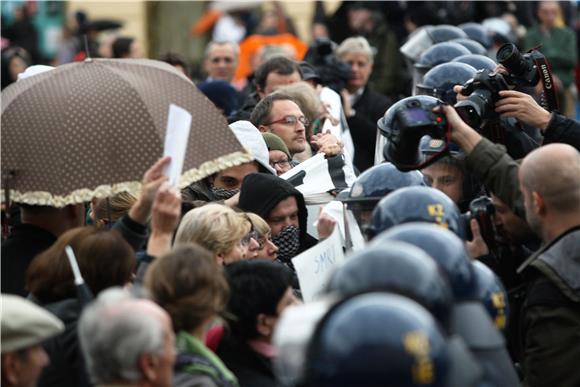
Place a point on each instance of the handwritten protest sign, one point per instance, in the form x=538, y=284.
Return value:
x=315, y=265
x=176, y=136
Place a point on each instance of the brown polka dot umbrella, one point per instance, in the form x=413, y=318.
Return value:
x=91, y=129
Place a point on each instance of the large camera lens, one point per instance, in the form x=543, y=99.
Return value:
x=509, y=56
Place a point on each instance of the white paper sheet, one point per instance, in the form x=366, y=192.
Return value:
x=176, y=136
x=315, y=265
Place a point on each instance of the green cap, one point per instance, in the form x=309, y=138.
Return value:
x=274, y=142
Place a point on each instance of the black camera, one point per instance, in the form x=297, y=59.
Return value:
x=405, y=123
x=482, y=210
x=483, y=89
x=333, y=72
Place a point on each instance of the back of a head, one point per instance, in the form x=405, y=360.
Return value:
x=256, y=286
x=105, y=259
x=479, y=62
x=492, y=294
x=114, y=331
x=396, y=267
x=189, y=285
x=444, y=247
x=440, y=53
x=473, y=46
x=222, y=94
x=377, y=182
x=553, y=172
x=305, y=97
x=477, y=32
x=439, y=81
x=416, y=204
x=377, y=339
x=110, y=209
x=213, y=226
x=122, y=46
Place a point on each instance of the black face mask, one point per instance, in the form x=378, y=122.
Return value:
x=223, y=193
x=288, y=242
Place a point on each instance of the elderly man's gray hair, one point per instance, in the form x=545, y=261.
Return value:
x=114, y=333
x=215, y=43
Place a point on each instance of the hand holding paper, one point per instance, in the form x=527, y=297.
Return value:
x=177, y=134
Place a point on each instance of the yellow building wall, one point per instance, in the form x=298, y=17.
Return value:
x=131, y=13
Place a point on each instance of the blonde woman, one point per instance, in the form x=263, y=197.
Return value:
x=266, y=248
x=226, y=234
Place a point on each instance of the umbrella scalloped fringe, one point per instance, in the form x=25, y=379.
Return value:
x=42, y=198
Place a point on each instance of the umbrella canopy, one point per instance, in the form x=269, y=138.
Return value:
x=92, y=128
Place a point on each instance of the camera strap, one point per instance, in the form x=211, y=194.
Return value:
x=549, y=100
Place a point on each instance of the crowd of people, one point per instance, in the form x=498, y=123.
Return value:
x=466, y=199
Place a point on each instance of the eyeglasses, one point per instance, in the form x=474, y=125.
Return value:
x=248, y=238
x=262, y=240
x=291, y=120
x=281, y=163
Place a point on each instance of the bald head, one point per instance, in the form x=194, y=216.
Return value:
x=553, y=171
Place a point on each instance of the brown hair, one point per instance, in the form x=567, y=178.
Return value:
x=306, y=99
x=189, y=284
x=105, y=259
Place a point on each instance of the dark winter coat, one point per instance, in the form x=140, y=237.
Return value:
x=551, y=315
x=67, y=366
x=23, y=244
x=363, y=126
x=251, y=368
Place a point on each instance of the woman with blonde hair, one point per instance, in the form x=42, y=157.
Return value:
x=266, y=248
x=225, y=233
x=106, y=211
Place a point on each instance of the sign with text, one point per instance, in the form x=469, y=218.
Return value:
x=315, y=265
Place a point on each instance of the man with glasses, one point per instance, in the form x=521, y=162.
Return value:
x=221, y=60
x=279, y=114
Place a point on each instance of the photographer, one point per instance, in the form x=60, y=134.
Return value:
x=548, y=197
x=554, y=127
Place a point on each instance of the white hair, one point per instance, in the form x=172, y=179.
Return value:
x=114, y=332
x=355, y=44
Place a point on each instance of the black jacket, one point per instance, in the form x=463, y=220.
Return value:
x=363, y=126
x=245, y=111
x=23, y=244
x=261, y=192
x=67, y=366
x=563, y=129
x=551, y=315
x=251, y=368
